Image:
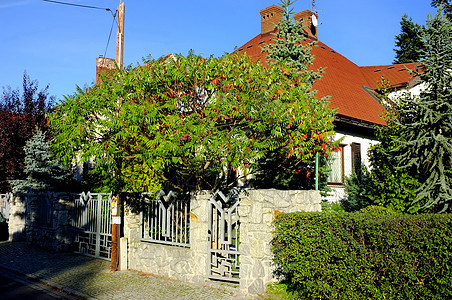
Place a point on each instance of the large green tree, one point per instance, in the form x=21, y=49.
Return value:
x=423, y=145
x=408, y=42
x=191, y=122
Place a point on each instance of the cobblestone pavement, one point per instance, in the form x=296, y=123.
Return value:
x=88, y=277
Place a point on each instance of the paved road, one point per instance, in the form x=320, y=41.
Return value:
x=15, y=287
x=92, y=279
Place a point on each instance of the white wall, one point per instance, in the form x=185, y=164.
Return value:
x=338, y=192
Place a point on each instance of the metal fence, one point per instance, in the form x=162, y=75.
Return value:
x=165, y=219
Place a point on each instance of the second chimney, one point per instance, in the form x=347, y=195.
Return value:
x=306, y=17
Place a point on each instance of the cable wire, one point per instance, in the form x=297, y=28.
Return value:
x=79, y=5
x=109, y=36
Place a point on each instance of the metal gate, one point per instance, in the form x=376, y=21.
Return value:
x=91, y=224
x=5, y=204
x=224, y=237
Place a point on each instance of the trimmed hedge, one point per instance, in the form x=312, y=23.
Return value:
x=365, y=255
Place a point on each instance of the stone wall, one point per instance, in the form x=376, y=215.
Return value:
x=257, y=211
x=24, y=222
x=183, y=263
x=57, y=234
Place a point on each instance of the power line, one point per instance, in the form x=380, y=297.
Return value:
x=93, y=7
x=79, y=5
x=109, y=36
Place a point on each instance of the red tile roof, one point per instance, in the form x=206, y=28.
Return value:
x=343, y=80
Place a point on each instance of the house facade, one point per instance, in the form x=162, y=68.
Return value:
x=353, y=91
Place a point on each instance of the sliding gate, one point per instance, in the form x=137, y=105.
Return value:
x=91, y=224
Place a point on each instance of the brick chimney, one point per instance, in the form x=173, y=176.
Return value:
x=104, y=65
x=306, y=17
x=270, y=16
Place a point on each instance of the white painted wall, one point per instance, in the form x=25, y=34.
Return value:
x=338, y=192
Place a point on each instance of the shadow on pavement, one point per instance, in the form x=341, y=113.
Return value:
x=73, y=271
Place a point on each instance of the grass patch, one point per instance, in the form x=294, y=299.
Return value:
x=279, y=291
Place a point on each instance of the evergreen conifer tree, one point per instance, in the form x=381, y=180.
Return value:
x=446, y=7
x=408, y=42
x=288, y=46
x=424, y=141
x=42, y=170
x=291, y=47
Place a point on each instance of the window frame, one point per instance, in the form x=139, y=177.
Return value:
x=342, y=170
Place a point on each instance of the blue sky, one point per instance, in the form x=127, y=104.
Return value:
x=58, y=44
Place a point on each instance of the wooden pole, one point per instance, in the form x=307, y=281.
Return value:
x=115, y=211
x=120, y=35
x=115, y=223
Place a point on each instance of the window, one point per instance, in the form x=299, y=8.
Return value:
x=337, y=166
x=356, y=159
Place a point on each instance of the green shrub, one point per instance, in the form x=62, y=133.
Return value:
x=365, y=255
x=331, y=206
x=379, y=210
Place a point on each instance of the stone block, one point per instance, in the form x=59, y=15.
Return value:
x=245, y=249
x=257, y=249
x=258, y=270
x=257, y=287
x=267, y=217
x=256, y=213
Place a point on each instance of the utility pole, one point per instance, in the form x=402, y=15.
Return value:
x=116, y=204
x=120, y=35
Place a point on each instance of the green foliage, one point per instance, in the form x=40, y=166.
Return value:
x=281, y=172
x=280, y=291
x=364, y=255
x=20, y=112
x=191, y=122
x=332, y=207
x=290, y=48
x=408, y=42
x=445, y=6
x=383, y=186
x=42, y=170
x=379, y=211
x=423, y=144
x=357, y=190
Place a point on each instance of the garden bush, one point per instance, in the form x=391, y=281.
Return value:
x=365, y=255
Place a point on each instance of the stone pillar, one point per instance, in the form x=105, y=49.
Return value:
x=199, y=218
x=257, y=210
x=17, y=219
x=123, y=254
